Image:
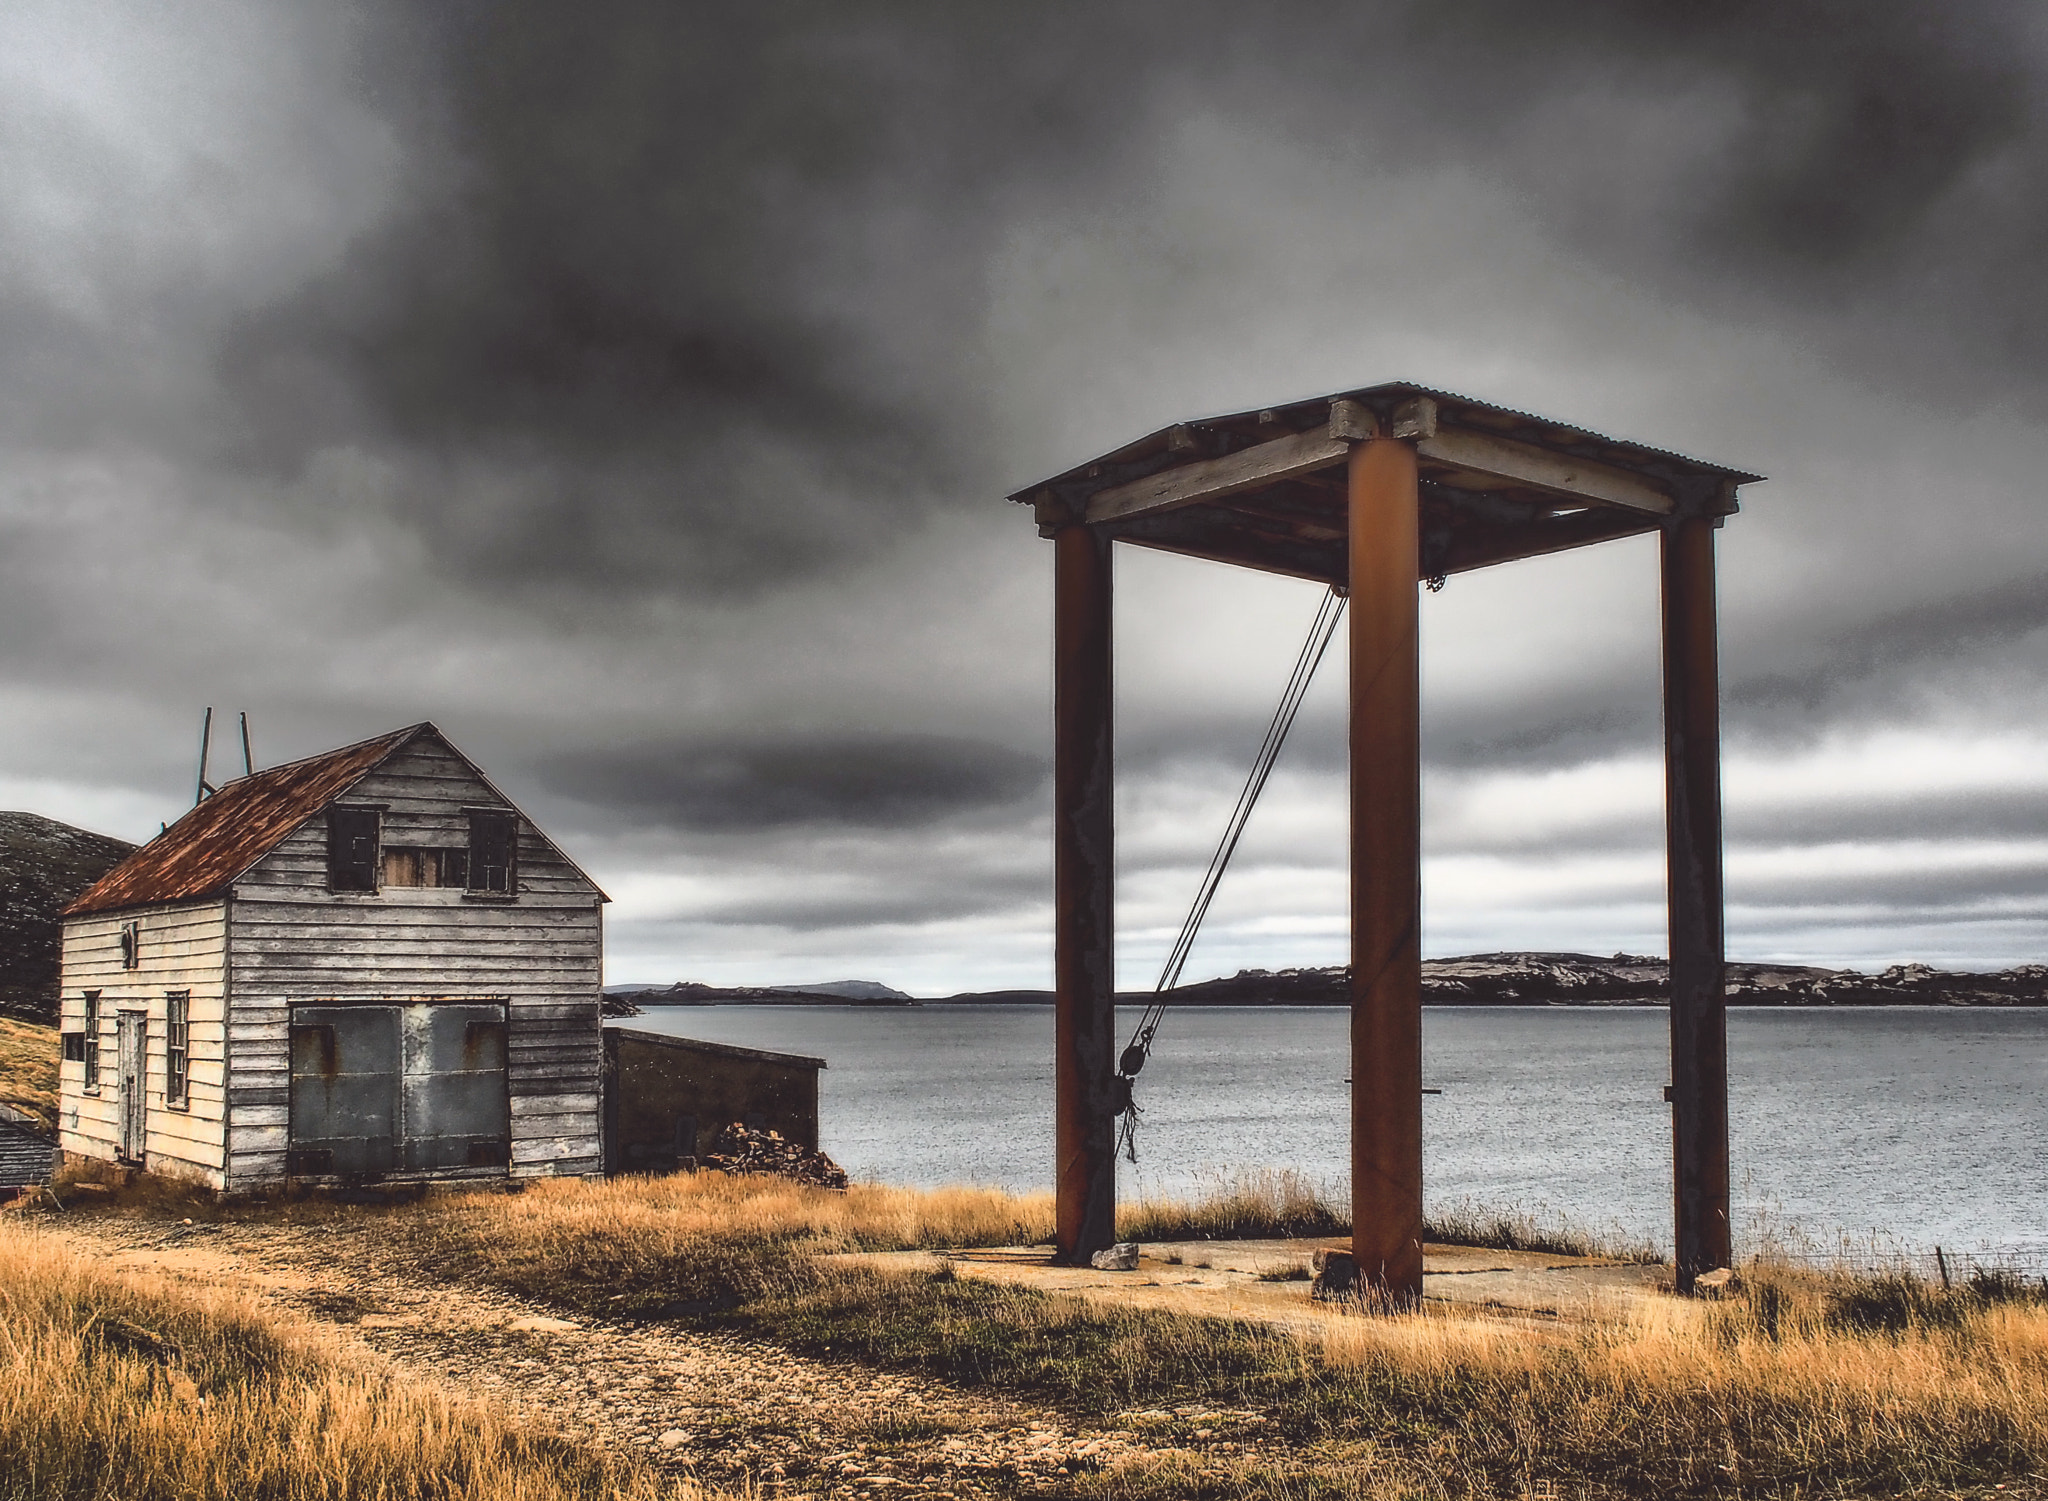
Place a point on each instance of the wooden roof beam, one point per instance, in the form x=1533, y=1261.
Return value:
x=1476, y=458
x=1485, y=455
x=1215, y=479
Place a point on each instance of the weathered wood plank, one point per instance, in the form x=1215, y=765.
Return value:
x=1527, y=466
x=1213, y=479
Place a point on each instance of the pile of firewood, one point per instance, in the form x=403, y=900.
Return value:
x=765, y=1153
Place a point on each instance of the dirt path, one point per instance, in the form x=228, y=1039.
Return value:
x=721, y=1409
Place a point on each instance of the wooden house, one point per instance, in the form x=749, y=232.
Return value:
x=367, y=965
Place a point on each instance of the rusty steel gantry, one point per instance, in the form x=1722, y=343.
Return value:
x=1372, y=491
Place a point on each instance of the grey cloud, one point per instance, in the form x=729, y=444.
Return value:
x=890, y=900
x=1889, y=651
x=770, y=781
x=686, y=297
x=633, y=308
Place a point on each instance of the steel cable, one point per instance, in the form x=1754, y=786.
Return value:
x=1321, y=631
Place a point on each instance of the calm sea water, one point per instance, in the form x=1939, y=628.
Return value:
x=1917, y=1127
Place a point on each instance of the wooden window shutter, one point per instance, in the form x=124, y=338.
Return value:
x=493, y=852
x=352, y=849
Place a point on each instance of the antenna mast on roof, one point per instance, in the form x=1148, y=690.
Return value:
x=206, y=788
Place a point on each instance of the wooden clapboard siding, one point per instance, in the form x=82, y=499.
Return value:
x=183, y=946
x=291, y=941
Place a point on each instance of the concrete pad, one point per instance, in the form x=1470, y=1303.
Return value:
x=1250, y=1279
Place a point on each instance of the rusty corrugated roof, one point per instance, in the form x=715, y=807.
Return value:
x=200, y=854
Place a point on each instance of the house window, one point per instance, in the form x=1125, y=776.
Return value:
x=131, y=945
x=177, y=1045
x=352, y=848
x=91, y=1050
x=425, y=865
x=493, y=852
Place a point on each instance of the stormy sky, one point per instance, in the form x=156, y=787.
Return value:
x=632, y=390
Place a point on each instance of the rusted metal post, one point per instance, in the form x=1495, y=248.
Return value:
x=1386, y=886
x=1084, y=947
x=1692, y=811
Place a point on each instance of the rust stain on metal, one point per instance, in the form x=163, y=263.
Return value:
x=206, y=849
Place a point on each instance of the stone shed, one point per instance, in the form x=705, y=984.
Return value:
x=667, y=1098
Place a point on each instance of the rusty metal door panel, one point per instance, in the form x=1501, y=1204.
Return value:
x=455, y=1110
x=344, y=1090
x=131, y=1036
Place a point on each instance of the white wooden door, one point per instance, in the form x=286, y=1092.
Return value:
x=131, y=1050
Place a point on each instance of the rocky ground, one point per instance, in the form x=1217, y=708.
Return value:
x=726, y=1411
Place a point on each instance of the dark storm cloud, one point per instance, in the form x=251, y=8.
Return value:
x=652, y=311
x=681, y=294
x=685, y=297
x=1890, y=653
x=770, y=781
x=903, y=900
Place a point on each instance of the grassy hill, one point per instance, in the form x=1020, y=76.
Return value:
x=43, y=866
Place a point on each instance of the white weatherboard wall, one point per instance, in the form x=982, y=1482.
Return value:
x=180, y=947
x=292, y=941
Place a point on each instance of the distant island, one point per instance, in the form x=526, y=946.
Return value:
x=1510, y=979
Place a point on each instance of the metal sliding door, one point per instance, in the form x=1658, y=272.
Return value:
x=410, y=1089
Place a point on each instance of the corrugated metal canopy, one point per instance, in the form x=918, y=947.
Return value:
x=203, y=852
x=1265, y=489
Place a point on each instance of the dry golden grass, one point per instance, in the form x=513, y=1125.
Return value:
x=28, y=1068
x=1705, y=1398
x=124, y=1386
x=1255, y=1205
x=1804, y=1385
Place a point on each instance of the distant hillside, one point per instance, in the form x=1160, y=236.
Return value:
x=43, y=866
x=695, y=993
x=1539, y=979
x=1511, y=979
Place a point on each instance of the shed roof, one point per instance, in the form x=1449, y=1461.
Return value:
x=203, y=853
x=1265, y=488
x=717, y=1049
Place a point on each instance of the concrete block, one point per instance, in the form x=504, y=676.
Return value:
x=1336, y=1275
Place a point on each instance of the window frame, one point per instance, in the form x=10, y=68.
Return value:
x=373, y=866
x=92, y=1042
x=474, y=884
x=178, y=1049
x=131, y=945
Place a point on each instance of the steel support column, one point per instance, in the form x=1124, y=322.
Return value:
x=1692, y=804
x=1084, y=947
x=1386, y=886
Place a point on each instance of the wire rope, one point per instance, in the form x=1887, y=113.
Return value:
x=1329, y=611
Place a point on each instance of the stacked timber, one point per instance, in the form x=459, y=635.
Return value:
x=739, y=1151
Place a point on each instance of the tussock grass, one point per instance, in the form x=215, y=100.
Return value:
x=1258, y=1205
x=124, y=1386
x=1468, y=1223
x=28, y=1067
